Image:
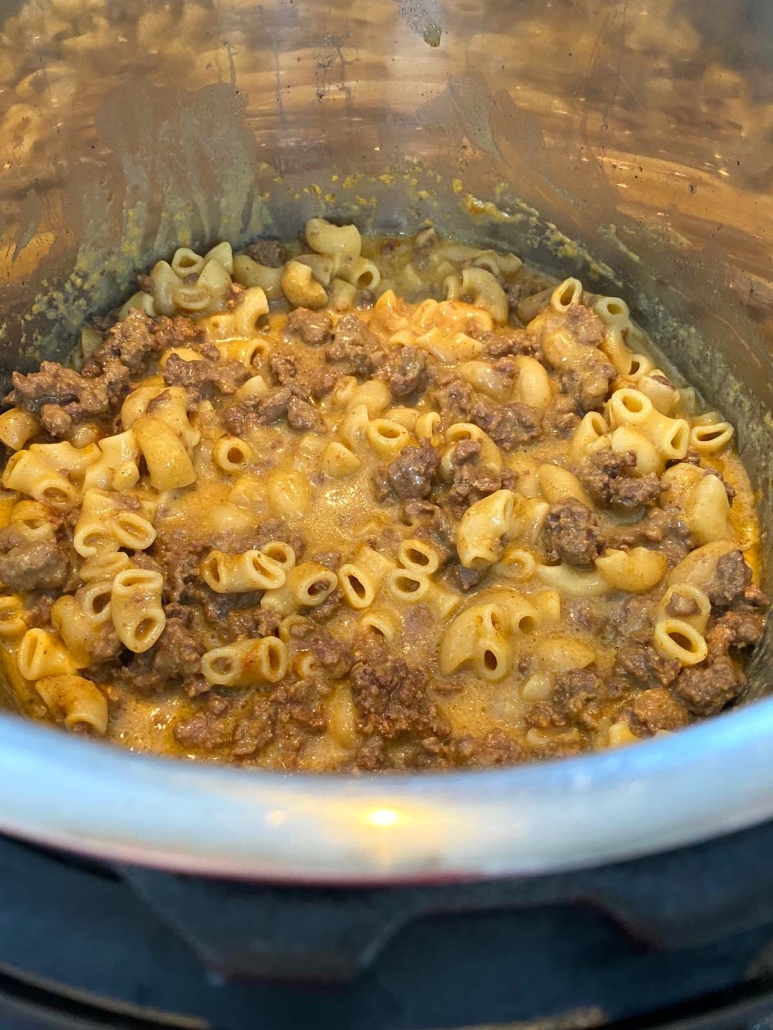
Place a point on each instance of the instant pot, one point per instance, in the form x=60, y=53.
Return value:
x=628, y=142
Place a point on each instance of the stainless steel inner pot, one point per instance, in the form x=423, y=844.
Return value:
x=625, y=141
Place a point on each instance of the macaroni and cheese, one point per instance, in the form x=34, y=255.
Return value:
x=371, y=503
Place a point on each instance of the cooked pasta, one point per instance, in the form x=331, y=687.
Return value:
x=358, y=503
x=136, y=610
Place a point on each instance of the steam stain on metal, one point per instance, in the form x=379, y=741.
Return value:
x=32, y=214
x=423, y=18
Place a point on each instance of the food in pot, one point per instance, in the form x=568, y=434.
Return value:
x=368, y=504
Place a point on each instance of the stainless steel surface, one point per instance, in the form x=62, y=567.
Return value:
x=344, y=830
x=626, y=140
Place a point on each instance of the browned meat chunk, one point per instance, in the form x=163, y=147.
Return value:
x=392, y=700
x=321, y=381
x=35, y=565
x=575, y=688
x=314, y=328
x=705, y=690
x=631, y=622
x=603, y=476
x=645, y=666
x=496, y=748
x=371, y=756
x=583, y=323
x=734, y=629
x=283, y=368
x=301, y=703
x=470, y=484
x=656, y=525
x=55, y=420
x=226, y=376
x=177, y=655
x=328, y=608
x=578, y=696
x=330, y=559
x=208, y=729
x=78, y=396
x=588, y=385
x=267, y=252
x=138, y=337
x=105, y=646
x=466, y=451
x=628, y=492
x=429, y=753
x=454, y=397
x=561, y=416
x=658, y=709
x=241, y=415
x=334, y=656
x=275, y=404
x=666, y=529
x=355, y=347
x=509, y=425
x=410, y=474
x=502, y=342
x=381, y=486
x=465, y=579
x=405, y=372
x=586, y=326
x=181, y=566
x=583, y=614
x=304, y=418
x=248, y=622
x=755, y=598
x=417, y=511
x=571, y=534
x=256, y=731
x=731, y=578
x=38, y=613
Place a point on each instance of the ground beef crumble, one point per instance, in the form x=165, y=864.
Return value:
x=508, y=425
x=33, y=564
x=405, y=372
x=571, y=534
x=706, y=689
x=201, y=377
x=314, y=328
x=393, y=700
x=604, y=476
x=658, y=709
x=642, y=665
x=355, y=348
x=578, y=699
x=730, y=580
x=410, y=475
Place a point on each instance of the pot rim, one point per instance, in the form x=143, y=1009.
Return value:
x=185, y=817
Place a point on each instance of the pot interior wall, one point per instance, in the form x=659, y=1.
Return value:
x=624, y=141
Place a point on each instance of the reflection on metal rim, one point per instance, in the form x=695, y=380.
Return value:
x=640, y=130
x=110, y=804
